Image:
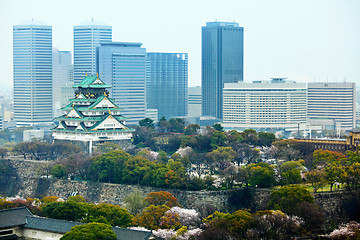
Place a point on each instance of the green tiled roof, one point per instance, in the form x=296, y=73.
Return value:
x=88, y=81
x=84, y=119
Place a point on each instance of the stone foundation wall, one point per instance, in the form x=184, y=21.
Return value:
x=339, y=206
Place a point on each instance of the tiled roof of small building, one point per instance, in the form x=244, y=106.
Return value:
x=14, y=217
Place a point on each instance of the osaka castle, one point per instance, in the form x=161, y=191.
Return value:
x=92, y=115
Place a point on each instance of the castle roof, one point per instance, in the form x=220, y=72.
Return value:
x=91, y=81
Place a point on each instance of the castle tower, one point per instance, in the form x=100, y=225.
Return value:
x=91, y=115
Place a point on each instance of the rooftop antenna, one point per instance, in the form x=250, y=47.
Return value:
x=92, y=19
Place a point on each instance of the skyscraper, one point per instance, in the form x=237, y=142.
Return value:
x=86, y=39
x=167, y=83
x=62, y=76
x=123, y=65
x=32, y=61
x=222, y=62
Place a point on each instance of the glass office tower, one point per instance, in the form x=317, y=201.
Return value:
x=123, y=65
x=167, y=83
x=86, y=39
x=32, y=62
x=63, y=80
x=222, y=62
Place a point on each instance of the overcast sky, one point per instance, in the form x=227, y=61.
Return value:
x=303, y=40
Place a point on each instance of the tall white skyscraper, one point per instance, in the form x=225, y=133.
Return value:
x=123, y=65
x=86, y=39
x=63, y=79
x=32, y=61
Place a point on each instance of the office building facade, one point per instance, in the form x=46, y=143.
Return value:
x=222, y=51
x=194, y=102
x=62, y=79
x=278, y=104
x=167, y=83
x=32, y=69
x=332, y=105
x=123, y=65
x=86, y=39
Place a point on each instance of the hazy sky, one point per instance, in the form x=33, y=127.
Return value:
x=304, y=40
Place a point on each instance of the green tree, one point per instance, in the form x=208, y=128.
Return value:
x=261, y=174
x=135, y=202
x=77, y=198
x=221, y=158
x=250, y=136
x=218, y=127
x=109, y=166
x=70, y=210
x=162, y=157
x=147, y=122
x=266, y=139
x=112, y=214
x=134, y=169
x=108, y=146
x=288, y=197
x=192, y=129
x=3, y=152
x=90, y=231
x=288, y=150
x=290, y=172
x=59, y=171
x=334, y=173
x=316, y=177
x=218, y=139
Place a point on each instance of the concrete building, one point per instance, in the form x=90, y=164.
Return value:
x=167, y=83
x=194, y=102
x=278, y=104
x=62, y=79
x=222, y=54
x=32, y=68
x=123, y=65
x=332, y=105
x=86, y=39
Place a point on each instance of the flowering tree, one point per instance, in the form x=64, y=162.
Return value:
x=350, y=230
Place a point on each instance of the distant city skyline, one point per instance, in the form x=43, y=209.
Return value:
x=302, y=40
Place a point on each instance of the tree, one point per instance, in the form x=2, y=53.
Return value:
x=288, y=197
x=316, y=177
x=162, y=198
x=77, y=198
x=147, y=122
x=90, y=231
x=177, y=125
x=192, y=129
x=290, y=172
x=108, y=146
x=218, y=139
x=266, y=139
x=261, y=175
x=3, y=152
x=135, y=202
x=218, y=127
x=112, y=214
x=250, y=136
x=271, y=224
x=134, y=169
x=288, y=149
x=221, y=158
x=321, y=157
x=59, y=171
x=144, y=137
x=162, y=157
x=334, y=173
x=150, y=216
x=109, y=166
x=70, y=210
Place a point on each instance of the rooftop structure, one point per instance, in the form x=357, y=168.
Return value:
x=92, y=115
